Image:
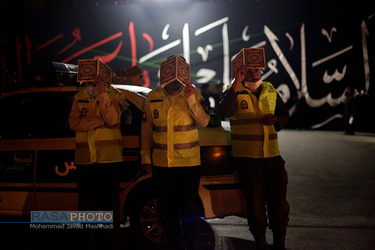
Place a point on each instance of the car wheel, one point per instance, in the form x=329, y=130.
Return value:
x=145, y=219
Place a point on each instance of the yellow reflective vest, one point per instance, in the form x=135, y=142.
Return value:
x=104, y=143
x=175, y=133
x=250, y=137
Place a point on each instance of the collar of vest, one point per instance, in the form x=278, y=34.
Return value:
x=160, y=92
x=266, y=87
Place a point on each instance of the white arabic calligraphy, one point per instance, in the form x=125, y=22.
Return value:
x=205, y=75
x=204, y=51
x=335, y=76
x=329, y=36
x=365, y=55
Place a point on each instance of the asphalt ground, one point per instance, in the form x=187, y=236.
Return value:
x=331, y=192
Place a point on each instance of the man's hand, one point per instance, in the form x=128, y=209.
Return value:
x=240, y=76
x=189, y=89
x=269, y=119
x=100, y=84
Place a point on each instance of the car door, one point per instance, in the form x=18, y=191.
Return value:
x=131, y=119
x=219, y=188
x=17, y=154
x=55, y=178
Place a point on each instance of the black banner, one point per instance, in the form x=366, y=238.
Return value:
x=316, y=47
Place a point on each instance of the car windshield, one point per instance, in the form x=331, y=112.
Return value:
x=36, y=115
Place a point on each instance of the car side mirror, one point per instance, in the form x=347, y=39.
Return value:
x=215, y=121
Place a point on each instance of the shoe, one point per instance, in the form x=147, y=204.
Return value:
x=278, y=240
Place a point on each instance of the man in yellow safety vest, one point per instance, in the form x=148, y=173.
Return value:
x=256, y=113
x=170, y=142
x=95, y=116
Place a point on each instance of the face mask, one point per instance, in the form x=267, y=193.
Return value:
x=92, y=91
x=253, y=85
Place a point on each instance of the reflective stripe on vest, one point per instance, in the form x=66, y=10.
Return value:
x=176, y=128
x=253, y=137
x=250, y=137
x=102, y=145
x=178, y=146
x=175, y=134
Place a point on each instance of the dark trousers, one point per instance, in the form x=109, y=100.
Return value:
x=264, y=183
x=98, y=190
x=177, y=189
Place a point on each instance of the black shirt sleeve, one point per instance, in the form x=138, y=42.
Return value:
x=227, y=104
x=282, y=114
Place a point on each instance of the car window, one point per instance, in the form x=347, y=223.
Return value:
x=36, y=115
x=131, y=119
